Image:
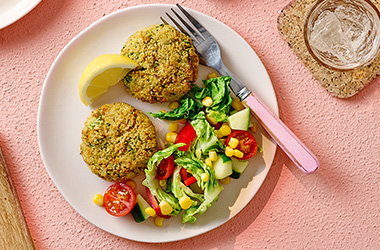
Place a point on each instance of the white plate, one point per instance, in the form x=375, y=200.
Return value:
x=13, y=10
x=61, y=117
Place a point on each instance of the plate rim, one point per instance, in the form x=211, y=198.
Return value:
x=19, y=11
x=55, y=64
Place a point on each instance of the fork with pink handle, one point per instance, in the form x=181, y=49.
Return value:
x=209, y=52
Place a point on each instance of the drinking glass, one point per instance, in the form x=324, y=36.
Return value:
x=343, y=34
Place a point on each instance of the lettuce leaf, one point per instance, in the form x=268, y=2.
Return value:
x=218, y=90
x=206, y=138
x=211, y=188
x=187, y=109
x=180, y=190
x=151, y=181
x=191, y=104
x=220, y=94
x=217, y=116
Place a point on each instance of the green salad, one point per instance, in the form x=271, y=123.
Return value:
x=212, y=146
x=185, y=175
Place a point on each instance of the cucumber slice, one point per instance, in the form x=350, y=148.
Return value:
x=240, y=120
x=238, y=167
x=225, y=158
x=138, y=211
x=235, y=175
x=222, y=167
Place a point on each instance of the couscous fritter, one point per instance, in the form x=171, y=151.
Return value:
x=168, y=64
x=117, y=141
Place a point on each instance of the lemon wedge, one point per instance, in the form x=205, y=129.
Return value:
x=102, y=73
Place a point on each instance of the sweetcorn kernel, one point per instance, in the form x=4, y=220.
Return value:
x=173, y=126
x=207, y=101
x=211, y=120
x=171, y=137
x=212, y=155
x=229, y=151
x=237, y=105
x=98, y=199
x=208, y=162
x=238, y=153
x=225, y=130
x=218, y=134
x=233, y=143
x=205, y=177
x=159, y=221
x=174, y=105
x=212, y=75
x=165, y=208
x=150, y=211
x=185, y=202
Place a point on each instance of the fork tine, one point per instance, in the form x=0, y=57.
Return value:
x=197, y=25
x=189, y=28
x=179, y=26
x=164, y=21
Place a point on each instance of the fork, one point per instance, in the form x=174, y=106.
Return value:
x=210, y=55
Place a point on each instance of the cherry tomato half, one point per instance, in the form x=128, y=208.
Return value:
x=119, y=199
x=247, y=143
x=187, y=136
x=166, y=168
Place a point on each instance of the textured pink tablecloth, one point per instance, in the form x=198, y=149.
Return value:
x=338, y=207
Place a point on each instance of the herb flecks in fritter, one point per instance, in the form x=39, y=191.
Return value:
x=117, y=141
x=168, y=64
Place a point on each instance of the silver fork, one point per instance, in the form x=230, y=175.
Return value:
x=210, y=55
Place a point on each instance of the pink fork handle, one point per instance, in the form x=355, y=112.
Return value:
x=281, y=134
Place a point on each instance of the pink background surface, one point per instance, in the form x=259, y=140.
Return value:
x=338, y=207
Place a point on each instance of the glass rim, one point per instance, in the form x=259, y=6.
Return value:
x=309, y=47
